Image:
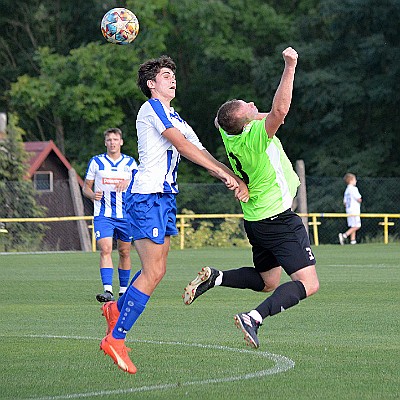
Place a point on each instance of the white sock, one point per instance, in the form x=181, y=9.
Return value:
x=218, y=279
x=353, y=242
x=108, y=288
x=256, y=315
x=122, y=290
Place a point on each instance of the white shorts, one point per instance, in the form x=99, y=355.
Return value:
x=354, y=222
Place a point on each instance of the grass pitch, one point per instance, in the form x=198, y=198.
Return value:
x=342, y=343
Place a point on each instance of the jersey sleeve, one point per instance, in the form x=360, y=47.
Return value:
x=134, y=167
x=91, y=170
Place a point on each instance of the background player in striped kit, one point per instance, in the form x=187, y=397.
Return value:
x=111, y=174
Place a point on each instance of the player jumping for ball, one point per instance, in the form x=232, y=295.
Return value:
x=163, y=136
x=276, y=234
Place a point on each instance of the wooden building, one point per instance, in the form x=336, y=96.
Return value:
x=59, y=189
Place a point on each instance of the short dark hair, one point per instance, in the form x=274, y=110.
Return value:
x=148, y=71
x=228, y=119
x=112, y=130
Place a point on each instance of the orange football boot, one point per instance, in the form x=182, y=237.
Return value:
x=111, y=314
x=116, y=349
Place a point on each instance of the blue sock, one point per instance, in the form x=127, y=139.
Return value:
x=106, y=276
x=134, y=304
x=123, y=275
x=121, y=300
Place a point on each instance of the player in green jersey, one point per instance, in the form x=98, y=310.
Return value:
x=277, y=235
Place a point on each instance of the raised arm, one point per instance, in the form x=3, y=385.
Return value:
x=283, y=95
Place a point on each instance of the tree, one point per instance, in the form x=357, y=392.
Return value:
x=67, y=84
x=75, y=97
x=29, y=25
x=81, y=93
x=16, y=193
x=216, y=45
x=344, y=114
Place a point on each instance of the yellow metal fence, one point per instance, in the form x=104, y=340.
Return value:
x=315, y=222
x=185, y=220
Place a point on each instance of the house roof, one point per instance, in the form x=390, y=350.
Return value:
x=39, y=151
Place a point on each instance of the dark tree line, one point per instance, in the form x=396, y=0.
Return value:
x=64, y=82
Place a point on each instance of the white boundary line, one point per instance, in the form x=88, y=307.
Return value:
x=282, y=364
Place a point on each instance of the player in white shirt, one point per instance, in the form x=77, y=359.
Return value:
x=352, y=201
x=163, y=136
x=111, y=176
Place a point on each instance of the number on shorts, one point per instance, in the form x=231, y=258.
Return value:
x=310, y=254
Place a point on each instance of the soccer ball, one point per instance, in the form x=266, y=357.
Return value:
x=120, y=26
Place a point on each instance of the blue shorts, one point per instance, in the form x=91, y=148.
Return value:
x=116, y=228
x=153, y=216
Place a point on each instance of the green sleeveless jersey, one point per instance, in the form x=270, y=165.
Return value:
x=264, y=166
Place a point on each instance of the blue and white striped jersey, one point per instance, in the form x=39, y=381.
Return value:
x=158, y=159
x=106, y=173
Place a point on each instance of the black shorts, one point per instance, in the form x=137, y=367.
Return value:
x=281, y=240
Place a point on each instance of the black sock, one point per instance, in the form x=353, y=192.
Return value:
x=243, y=278
x=285, y=296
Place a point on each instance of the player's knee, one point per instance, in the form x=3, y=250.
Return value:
x=157, y=279
x=312, y=287
x=271, y=279
x=105, y=251
x=124, y=253
x=156, y=276
x=270, y=286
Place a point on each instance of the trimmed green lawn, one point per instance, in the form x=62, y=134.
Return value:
x=342, y=343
